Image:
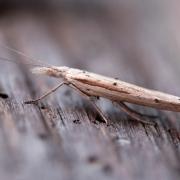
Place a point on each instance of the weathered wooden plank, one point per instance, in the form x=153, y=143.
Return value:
x=61, y=138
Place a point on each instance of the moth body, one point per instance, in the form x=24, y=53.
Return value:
x=97, y=85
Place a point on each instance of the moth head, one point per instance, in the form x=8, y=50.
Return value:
x=54, y=71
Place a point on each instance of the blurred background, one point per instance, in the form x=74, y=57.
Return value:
x=137, y=41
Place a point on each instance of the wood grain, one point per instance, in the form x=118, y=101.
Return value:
x=62, y=137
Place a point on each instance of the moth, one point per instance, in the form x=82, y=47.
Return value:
x=92, y=86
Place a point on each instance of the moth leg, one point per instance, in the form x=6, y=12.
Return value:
x=138, y=113
x=135, y=115
x=103, y=116
x=45, y=95
x=91, y=99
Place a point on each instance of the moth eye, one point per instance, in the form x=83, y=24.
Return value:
x=115, y=83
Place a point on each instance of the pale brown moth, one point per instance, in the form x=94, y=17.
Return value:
x=94, y=85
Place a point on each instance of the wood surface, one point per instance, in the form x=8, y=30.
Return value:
x=63, y=137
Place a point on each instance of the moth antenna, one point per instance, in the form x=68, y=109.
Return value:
x=30, y=59
x=16, y=62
